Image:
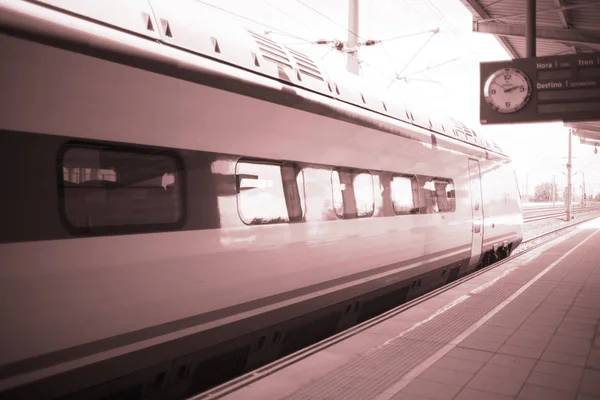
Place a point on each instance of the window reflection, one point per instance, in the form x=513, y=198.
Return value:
x=81, y=175
x=119, y=188
x=439, y=195
x=363, y=192
x=403, y=199
x=337, y=188
x=269, y=193
x=353, y=193
x=476, y=193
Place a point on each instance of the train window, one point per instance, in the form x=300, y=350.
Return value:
x=363, y=194
x=353, y=194
x=117, y=189
x=269, y=193
x=445, y=195
x=438, y=195
x=430, y=199
x=405, y=195
x=338, y=193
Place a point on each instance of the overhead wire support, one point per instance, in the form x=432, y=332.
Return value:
x=337, y=44
x=373, y=42
x=435, y=32
x=399, y=74
x=363, y=62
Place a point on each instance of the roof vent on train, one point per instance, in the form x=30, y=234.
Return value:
x=133, y=15
x=309, y=73
x=290, y=65
x=306, y=66
x=271, y=51
x=464, y=132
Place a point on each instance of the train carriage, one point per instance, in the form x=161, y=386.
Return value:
x=185, y=202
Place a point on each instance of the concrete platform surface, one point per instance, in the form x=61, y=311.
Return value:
x=527, y=329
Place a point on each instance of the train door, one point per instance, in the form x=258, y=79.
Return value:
x=477, y=211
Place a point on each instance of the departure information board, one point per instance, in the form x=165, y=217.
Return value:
x=540, y=89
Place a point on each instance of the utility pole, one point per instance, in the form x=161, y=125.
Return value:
x=569, y=188
x=583, y=199
x=352, y=57
x=553, y=190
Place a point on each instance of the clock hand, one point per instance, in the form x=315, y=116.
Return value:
x=511, y=89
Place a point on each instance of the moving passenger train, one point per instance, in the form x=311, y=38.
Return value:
x=184, y=200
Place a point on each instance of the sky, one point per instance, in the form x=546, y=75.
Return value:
x=410, y=49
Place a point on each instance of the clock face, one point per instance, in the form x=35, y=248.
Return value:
x=507, y=90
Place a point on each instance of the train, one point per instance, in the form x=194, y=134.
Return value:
x=186, y=200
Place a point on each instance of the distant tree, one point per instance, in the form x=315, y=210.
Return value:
x=543, y=192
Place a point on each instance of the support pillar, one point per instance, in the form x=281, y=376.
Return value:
x=352, y=58
x=530, y=34
x=569, y=187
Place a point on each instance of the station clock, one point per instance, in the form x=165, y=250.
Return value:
x=507, y=90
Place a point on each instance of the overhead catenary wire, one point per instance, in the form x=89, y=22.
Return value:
x=305, y=41
x=298, y=43
x=403, y=36
x=327, y=53
x=432, y=67
x=418, y=52
x=433, y=31
x=284, y=13
x=450, y=26
x=274, y=30
x=331, y=20
x=415, y=10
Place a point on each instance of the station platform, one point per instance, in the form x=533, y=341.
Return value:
x=526, y=329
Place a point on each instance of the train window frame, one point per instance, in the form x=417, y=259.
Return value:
x=127, y=228
x=287, y=194
x=414, y=190
x=349, y=205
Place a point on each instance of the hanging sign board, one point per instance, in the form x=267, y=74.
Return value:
x=540, y=89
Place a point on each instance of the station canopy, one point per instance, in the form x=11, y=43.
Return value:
x=562, y=27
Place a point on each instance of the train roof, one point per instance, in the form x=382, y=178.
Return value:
x=192, y=26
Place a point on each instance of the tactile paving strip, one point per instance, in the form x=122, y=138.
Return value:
x=370, y=374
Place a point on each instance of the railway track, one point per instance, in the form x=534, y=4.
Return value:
x=532, y=214
x=253, y=376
